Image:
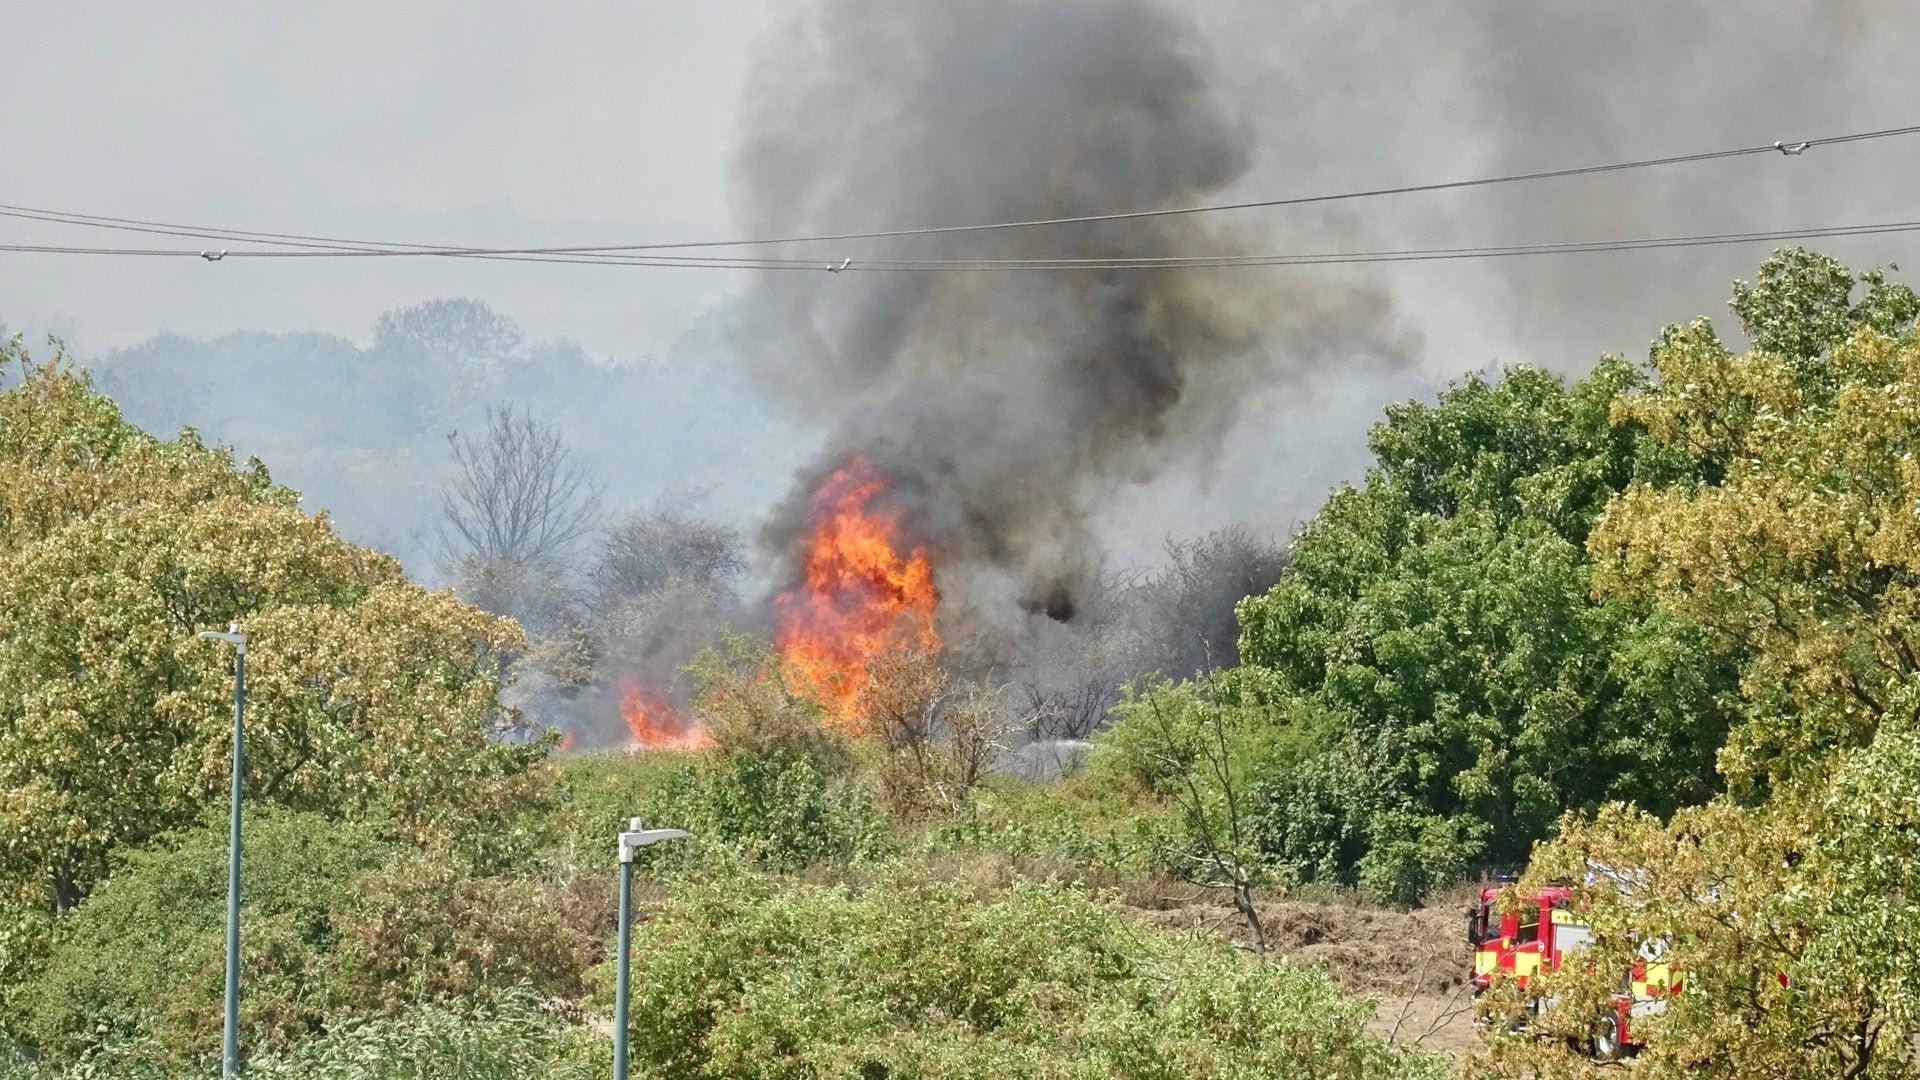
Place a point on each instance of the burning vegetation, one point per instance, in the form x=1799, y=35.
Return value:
x=854, y=611
x=859, y=596
x=991, y=420
x=653, y=721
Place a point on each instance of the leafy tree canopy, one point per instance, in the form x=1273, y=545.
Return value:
x=1437, y=631
x=368, y=697
x=1803, y=553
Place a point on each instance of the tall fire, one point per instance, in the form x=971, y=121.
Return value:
x=859, y=594
x=652, y=721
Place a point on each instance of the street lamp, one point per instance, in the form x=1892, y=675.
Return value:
x=632, y=840
x=230, y=1043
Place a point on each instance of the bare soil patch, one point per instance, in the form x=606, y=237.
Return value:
x=1415, y=963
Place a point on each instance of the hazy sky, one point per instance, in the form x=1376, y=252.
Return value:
x=580, y=122
x=400, y=120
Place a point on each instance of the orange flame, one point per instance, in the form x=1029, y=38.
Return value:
x=654, y=724
x=859, y=595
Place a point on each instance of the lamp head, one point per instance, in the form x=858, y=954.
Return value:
x=636, y=838
x=231, y=635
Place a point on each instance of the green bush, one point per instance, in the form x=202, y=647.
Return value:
x=422, y=929
x=1084, y=820
x=1409, y=855
x=600, y=792
x=136, y=1059
x=1310, y=817
x=144, y=953
x=513, y=1039
x=335, y=922
x=736, y=977
x=508, y=1039
x=777, y=813
x=25, y=937
x=782, y=790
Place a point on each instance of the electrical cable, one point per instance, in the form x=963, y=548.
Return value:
x=1092, y=263
x=375, y=247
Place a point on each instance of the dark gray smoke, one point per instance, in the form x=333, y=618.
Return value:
x=1009, y=406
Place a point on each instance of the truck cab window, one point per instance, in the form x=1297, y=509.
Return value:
x=1477, y=923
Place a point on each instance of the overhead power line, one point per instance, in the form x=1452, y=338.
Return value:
x=1114, y=263
x=393, y=248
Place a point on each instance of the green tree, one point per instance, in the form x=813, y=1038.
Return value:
x=1201, y=753
x=1452, y=683
x=1803, y=553
x=369, y=697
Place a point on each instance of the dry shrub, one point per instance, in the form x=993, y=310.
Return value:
x=423, y=930
x=937, y=732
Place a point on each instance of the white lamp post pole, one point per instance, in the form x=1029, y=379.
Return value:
x=230, y=1040
x=630, y=841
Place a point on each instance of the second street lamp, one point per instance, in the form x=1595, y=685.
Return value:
x=631, y=841
x=230, y=1034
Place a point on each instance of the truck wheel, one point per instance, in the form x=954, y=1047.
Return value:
x=1608, y=1045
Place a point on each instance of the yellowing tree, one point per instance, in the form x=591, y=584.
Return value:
x=368, y=696
x=1808, y=549
x=1792, y=903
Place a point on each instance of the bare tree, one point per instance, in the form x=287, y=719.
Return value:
x=518, y=500
x=939, y=732
x=1176, y=622
x=1185, y=612
x=1069, y=674
x=540, y=597
x=1068, y=713
x=662, y=546
x=1194, y=750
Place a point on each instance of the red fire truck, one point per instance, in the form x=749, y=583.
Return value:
x=1539, y=936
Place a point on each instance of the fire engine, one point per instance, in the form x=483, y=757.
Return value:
x=1539, y=935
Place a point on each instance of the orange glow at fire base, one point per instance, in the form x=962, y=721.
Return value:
x=654, y=724
x=859, y=595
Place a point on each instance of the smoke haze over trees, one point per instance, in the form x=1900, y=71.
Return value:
x=363, y=431
x=367, y=434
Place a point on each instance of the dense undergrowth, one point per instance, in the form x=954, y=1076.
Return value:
x=804, y=933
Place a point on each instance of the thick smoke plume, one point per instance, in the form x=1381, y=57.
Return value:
x=1008, y=406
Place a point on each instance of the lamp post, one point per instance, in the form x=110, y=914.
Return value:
x=632, y=840
x=230, y=1042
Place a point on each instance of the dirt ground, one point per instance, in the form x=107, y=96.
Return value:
x=1416, y=963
